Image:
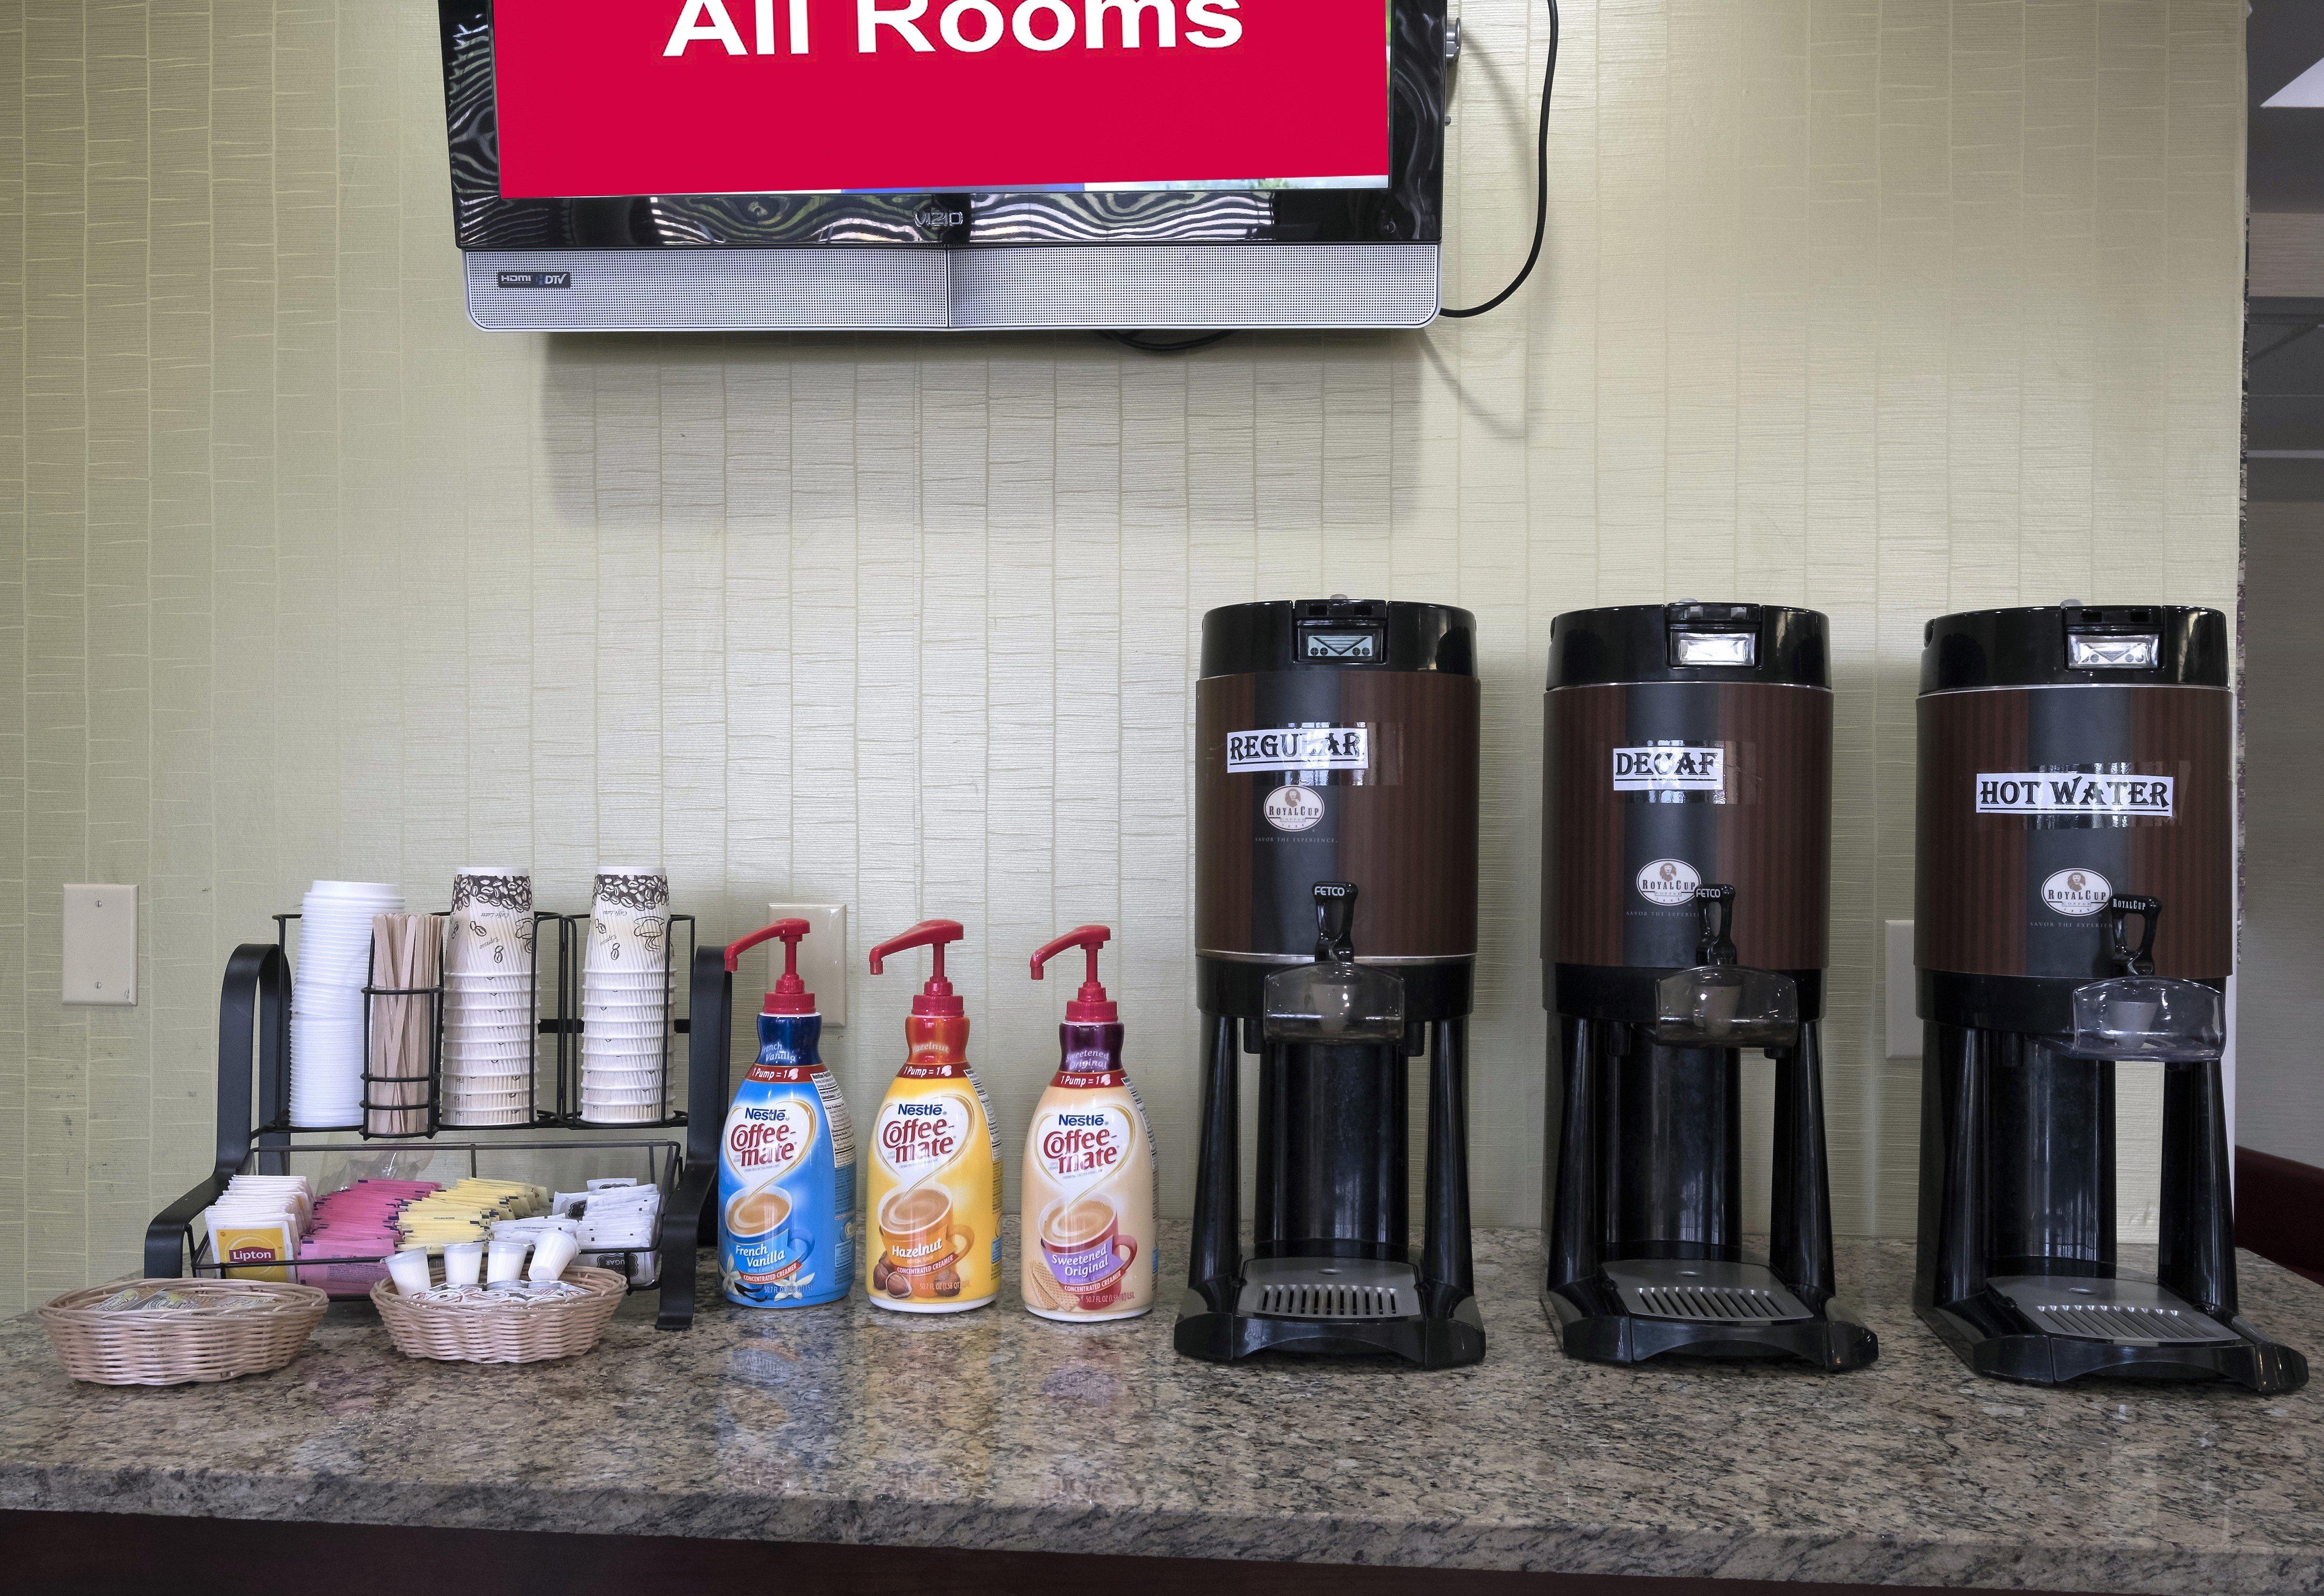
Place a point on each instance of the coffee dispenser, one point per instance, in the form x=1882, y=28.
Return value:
x=1686, y=844
x=1335, y=930
x=2074, y=912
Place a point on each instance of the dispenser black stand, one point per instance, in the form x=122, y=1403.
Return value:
x=1332, y=1160
x=2017, y=1267
x=1644, y=1259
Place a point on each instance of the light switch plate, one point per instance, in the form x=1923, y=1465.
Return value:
x=823, y=955
x=100, y=951
x=1904, y=993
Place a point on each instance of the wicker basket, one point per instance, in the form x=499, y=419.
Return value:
x=490, y=1332
x=172, y=1347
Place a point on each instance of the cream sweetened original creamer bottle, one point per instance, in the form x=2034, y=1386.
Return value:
x=933, y=1217
x=1090, y=1173
x=787, y=1159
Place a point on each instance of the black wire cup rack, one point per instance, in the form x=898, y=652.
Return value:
x=254, y=1133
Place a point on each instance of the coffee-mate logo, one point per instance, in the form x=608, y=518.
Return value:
x=1078, y=1146
x=767, y=1140
x=1293, y=809
x=920, y=1132
x=1671, y=767
x=1668, y=882
x=2076, y=891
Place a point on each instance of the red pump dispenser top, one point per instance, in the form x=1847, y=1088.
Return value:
x=1090, y=1005
x=790, y=995
x=935, y=1000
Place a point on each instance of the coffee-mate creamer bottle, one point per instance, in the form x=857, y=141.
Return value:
x=786, y=1162
x=1089, y=1171
x=933, y=1217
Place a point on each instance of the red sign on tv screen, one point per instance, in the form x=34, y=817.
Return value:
x=771, y=96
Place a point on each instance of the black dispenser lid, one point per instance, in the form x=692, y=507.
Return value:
x=1768, y=643
x=2074, y=644
x=1339, y=633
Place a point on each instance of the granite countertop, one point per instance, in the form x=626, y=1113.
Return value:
x=995, y=1429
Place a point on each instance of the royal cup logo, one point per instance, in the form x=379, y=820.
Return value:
x=1671, y=767
x=2076, y=891
x=1078, y=1146
x=1300, y=747
x=2073, y=792
x=917, y=1134
x=766, y=1141
x=1293, y=809
x=1668, y=882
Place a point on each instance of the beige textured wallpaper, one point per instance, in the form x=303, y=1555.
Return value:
x=1882, y=308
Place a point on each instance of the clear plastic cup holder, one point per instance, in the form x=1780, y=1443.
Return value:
x=1335, y=1001
x=2148, y=1017
x=1724, y=1006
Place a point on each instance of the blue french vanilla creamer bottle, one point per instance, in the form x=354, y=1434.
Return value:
x=787, y=1163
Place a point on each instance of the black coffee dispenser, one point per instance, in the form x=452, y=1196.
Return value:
x=1336, y=931
x=1686, y=851
x=2074, y=912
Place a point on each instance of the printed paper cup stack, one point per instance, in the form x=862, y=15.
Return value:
x=327, y=1003
x=488, y=1000
x=625, y=998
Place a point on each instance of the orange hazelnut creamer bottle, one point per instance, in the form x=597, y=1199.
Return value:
x=934, y=1206
x=1088, y=1246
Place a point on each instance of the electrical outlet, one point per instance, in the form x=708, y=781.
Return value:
x=822, y=956
x=100, y=951
x=1904, y=993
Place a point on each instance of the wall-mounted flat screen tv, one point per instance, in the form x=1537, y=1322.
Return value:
x=922, y=164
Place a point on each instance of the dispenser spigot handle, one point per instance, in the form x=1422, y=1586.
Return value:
x=1090, y=1005
x=1715, y=944
x=1335, y=920
x=2138, y=961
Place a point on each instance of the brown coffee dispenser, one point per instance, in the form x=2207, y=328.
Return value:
x=1686, y=848
x=1335, y=932
x=2074, y=912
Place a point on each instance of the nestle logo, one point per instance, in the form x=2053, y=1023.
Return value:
x=535, y=280
x=933, y=218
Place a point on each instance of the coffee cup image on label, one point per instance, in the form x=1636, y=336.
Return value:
x=1294, y=808
x=769, y=1249
x=926, y=1239
x=1666, y=882
x=2078, y=893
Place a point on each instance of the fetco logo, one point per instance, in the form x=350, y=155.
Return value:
x=1668, y=883
x=1293, y=809
x=2076, y=891
x=2072, y=791
x=1300, y=747
x=1681, y=768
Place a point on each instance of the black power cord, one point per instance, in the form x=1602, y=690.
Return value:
x=1145, y=344
x=1540, y=184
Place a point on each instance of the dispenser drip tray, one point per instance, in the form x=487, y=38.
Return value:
x=1703, y=1291
x=2086, y=1308
x=1328, y=1289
